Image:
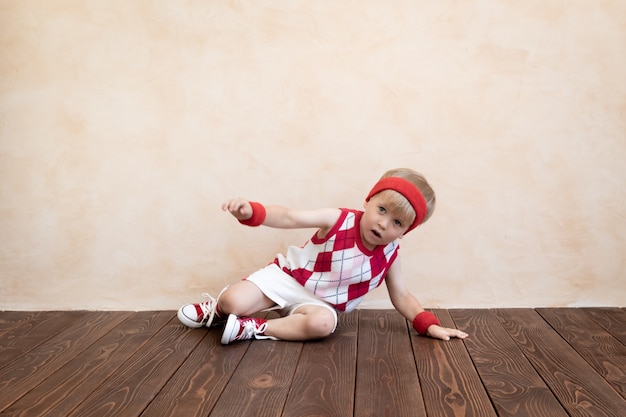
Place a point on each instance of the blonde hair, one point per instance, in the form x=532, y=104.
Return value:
x=399, y=202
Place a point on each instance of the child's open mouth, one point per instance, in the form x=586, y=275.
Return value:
x=375, y=233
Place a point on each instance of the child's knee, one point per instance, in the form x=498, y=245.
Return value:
x=228, y=302
x=321, y=324
x=243, y=299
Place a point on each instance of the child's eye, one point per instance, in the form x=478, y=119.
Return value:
x=381, y=209
x=398, y=223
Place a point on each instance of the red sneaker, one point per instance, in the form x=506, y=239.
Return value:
x=200, y=314
x=244, y=328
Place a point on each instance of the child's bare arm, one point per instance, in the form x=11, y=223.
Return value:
x=409, y=306
x=284, y=217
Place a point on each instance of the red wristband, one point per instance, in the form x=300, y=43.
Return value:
x=258, y=215
x=423, y=321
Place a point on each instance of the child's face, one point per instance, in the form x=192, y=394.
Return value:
x=380, y=224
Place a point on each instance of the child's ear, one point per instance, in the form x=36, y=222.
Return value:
x=365, y=203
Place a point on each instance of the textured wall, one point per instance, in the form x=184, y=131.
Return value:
x=125, y=124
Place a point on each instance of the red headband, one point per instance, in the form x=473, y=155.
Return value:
x=409, y=191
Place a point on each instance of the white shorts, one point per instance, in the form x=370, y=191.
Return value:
x=285, y=291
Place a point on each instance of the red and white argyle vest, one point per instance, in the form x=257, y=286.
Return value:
x=339, y=269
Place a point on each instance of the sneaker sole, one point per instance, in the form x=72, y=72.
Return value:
x=230, y=331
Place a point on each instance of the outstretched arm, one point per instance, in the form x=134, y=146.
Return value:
x=283, y=217
x=410, y=307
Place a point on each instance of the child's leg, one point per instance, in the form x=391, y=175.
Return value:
x=308, y=322
x=305, y=316
x=243, y=299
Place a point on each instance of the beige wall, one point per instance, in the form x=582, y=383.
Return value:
x=125, y=124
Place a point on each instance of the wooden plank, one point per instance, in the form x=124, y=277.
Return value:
x=34, y=330
x=323, y=384
x=600, y=349
x=387, y=383
x=613, y=320
x=128, y=392
x=10, y=320
x=579, y=388
x=260, y=385
x=514, y=386
x=450, y=384
x=26, y=372
x=197, y=385
x=75, y=381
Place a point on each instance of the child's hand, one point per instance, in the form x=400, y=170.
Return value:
x=239, y=208
x=444, y=333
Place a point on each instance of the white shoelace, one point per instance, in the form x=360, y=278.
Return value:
x=208, y=309
x=250, y=330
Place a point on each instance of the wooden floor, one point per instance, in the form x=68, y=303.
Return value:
x=516, y=362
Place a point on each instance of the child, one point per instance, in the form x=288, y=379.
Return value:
x=351, y=253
